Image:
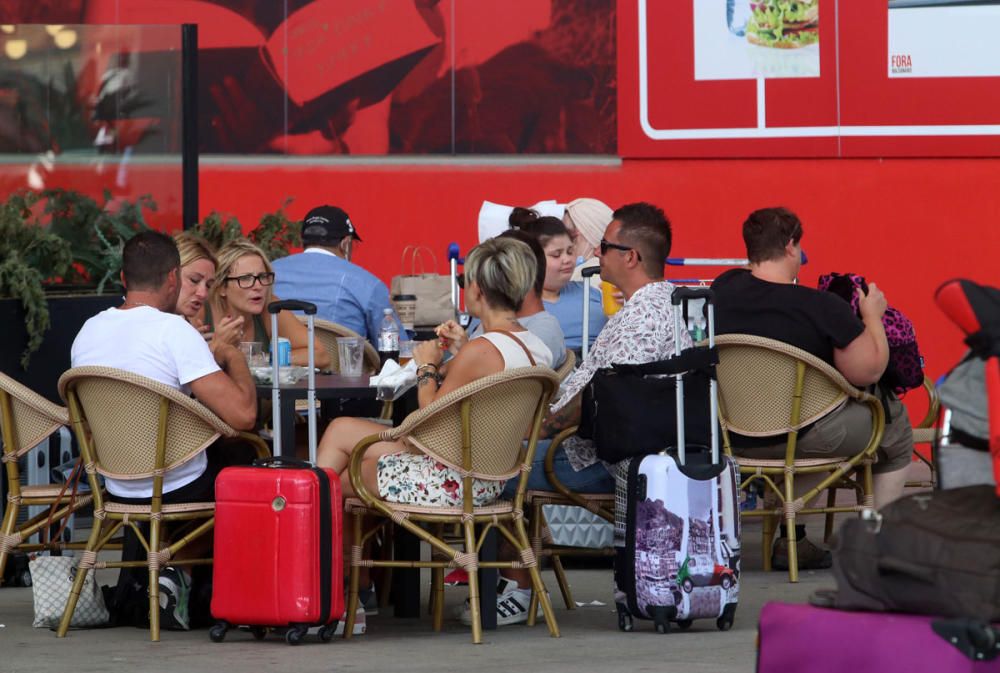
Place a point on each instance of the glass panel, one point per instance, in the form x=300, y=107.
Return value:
x=96, y=109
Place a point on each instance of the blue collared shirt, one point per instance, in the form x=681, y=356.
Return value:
x=343, y=292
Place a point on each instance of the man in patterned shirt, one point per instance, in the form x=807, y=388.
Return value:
x=632, y=254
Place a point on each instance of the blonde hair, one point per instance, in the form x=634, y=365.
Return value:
x=193, y=248
x=227, y=257
x=504, y=269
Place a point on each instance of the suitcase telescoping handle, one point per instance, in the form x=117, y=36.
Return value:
x=587, y=274
x=679, y=296
x=274, y=308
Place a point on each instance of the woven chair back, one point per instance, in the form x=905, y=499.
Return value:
x=757, y=380
x=326, y=335
x=566, y=368
x=33, y=417
x=500, y=411
x=122, y=411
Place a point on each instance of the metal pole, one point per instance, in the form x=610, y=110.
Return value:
x=189, y=124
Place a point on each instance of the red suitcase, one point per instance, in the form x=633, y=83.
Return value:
x=278, y=552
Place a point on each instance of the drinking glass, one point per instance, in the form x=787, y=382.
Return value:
x=350, y=351
x=253, y=351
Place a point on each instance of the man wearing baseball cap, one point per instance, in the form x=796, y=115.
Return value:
x=323, y=274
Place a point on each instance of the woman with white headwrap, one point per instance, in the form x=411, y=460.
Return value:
x=586, y=220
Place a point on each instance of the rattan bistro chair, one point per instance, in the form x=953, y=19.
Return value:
x=769, y=389
x=327, y=333
x=26, y=420
x=131, y=427
x=477, y=429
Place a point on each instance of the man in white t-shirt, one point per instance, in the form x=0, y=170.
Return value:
x=146, y=337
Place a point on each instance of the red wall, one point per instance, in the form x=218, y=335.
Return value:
x=907, y=224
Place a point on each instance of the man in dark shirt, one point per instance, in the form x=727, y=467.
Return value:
x=765, y=300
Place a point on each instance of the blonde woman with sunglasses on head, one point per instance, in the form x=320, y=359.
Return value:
x=239, y=298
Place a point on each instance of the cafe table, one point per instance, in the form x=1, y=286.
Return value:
x=406, y=582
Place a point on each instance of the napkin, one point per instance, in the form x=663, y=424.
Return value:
x=395, y=378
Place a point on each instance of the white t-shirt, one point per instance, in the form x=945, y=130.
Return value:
x=160, y=346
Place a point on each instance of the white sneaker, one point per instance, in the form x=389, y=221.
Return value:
x=360, y=626
x=512, y=605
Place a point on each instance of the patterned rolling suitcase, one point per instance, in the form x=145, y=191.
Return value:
x=278, y=536
x=803, y=638
x=677, y=527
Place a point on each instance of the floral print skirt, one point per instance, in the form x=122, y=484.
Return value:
x=418, y=479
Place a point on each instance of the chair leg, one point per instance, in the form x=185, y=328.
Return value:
x=355, y=580
x=81, y=575
x=154, y=582
x=470, y=548
x=831, y=501
x=767, y=539
x=388, y=553
x=793, y=555
x=538, y=587
x=9, y=523
x=557, y=568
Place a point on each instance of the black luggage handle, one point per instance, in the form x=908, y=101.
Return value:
x=292, y=305
x=590, y=271
x=283, y=462
x=682, y=294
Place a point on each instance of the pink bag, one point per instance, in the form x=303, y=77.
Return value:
x=803, y=638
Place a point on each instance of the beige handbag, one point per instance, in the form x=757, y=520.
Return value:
x=433, y=291
x=52, y=578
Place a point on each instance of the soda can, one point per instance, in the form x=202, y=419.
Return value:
x=284, y=352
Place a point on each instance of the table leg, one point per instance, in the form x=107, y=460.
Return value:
x=488, y=582
x=406, y=581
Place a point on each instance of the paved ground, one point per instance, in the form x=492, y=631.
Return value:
x=590, y=639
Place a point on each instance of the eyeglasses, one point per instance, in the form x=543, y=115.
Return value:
x=460, y=279
x=605, y=245
x=246, y=281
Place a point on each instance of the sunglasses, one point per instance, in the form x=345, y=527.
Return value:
x=606, y=245
x=247, y=281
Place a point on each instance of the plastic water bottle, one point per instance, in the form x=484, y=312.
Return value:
x=388, y=338
x=737, y=16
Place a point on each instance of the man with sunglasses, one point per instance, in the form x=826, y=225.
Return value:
x=765, y=300
x=632, y=255
x=344, y=293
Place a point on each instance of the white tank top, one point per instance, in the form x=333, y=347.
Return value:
x=512, y=352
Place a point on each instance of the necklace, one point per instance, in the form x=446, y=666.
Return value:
x=132, y=304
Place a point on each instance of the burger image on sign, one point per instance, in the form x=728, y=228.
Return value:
x=783, y=24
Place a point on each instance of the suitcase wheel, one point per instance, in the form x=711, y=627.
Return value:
x=218, y=632
x=294, y=635
x=661, y=617
x=258, y=632
x=684, y=624
x=725, y=622
x=326, y=632
x=624, y=619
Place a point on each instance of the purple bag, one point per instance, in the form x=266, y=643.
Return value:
x=906, y=364
x=793, y=638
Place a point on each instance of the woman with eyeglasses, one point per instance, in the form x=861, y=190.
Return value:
x=236, y=309
x=561, y=296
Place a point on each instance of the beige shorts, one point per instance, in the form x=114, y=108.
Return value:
x=845, y=432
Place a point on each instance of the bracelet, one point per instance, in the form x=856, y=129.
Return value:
x=426, y=365
x=428, y=376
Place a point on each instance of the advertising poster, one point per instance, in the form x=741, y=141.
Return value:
x=751, y=39
x=923, y=35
